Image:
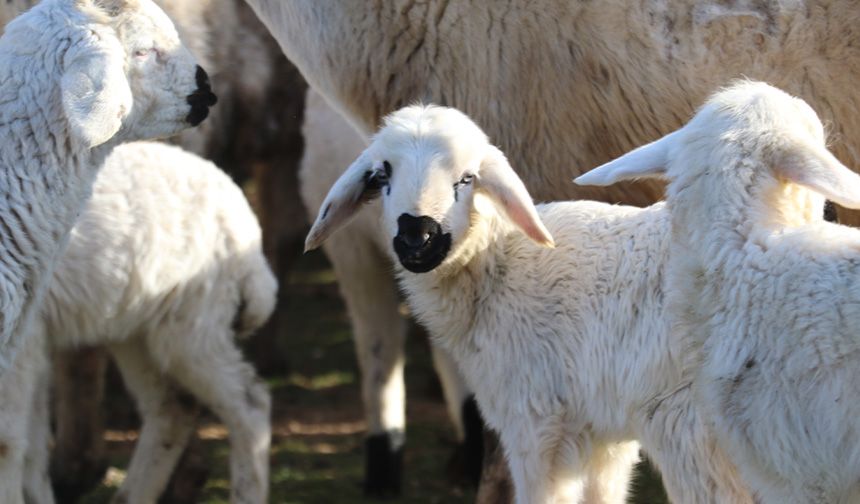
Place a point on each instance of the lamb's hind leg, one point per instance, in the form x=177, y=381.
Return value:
x=216, y=374
x=372, y=299
x=168, y=415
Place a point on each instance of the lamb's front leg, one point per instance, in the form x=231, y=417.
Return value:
x=546, y=467
x=609, y=470
x=18, y=388
x=680, y=442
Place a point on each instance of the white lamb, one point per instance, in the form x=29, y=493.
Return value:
x=77, y=77
x=165, y=267
x=565, y=345
x=767, y=292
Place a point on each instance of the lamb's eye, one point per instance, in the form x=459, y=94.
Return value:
x=143, y=53
x=466, y=180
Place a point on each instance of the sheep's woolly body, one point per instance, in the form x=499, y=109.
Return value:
x=562, y=347
x=165, y=267
x=148, y=269
x=603, y=67
x=767, y=293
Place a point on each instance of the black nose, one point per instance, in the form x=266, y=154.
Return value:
x=420, y=244
x=201, y=99
x=415, y=232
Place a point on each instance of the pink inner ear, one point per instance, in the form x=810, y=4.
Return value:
x=528, y=222
x=824, y=174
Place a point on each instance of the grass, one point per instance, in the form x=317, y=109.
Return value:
x=318, y=427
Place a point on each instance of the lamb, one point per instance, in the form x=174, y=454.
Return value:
x=767, y=292
x=165, y=267
x=603, y=66
x=76, y=79
x=564, y=345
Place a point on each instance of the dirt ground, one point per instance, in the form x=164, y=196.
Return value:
x=318, y=427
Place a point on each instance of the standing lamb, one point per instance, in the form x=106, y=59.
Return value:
x=76, y=79
x=767, y=292
x=165, y=268
x=603, y=66
x=566, y=345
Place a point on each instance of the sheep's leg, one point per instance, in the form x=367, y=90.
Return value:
x=37, y=482
x=17, y=390
x=372, y=300
x=216, y=374
x=609, y=470
x=464, y=413
x=693, y=466
x=78, y=460
x=169, y=417
x=545, y=469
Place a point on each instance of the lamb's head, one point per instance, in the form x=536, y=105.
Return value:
x=436, y=174
x=751, y=149
x=121, y=70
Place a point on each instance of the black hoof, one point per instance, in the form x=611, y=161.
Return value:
x=383, y=464
x=466, y=463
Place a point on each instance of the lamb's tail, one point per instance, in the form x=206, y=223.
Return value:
x=258, y=291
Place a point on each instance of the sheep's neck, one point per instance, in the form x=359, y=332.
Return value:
x=44, y=184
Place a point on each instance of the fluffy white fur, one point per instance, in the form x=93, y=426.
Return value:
x=766, y=293
x=76, y=78
x=566, y=345
x=165, y=268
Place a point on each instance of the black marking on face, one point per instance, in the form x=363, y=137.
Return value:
x=201, y=99
x=464, y=181
x=326, y=211
x=375, y=180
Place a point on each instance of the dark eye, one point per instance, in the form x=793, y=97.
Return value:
x=142, y=53
x=466, y=180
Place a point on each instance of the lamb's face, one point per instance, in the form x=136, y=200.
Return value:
x=170, y=91
x=426, y=181
x=436, y=174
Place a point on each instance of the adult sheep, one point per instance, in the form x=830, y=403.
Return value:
x=560, y=85
x=76, y=79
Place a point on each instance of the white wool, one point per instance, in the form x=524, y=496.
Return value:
x=72, y=86
x=767, y=292
x=567, y=349
x=164, y=267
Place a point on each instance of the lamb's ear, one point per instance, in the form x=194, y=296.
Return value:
x=96, y=95
x=646, y=161
x=817, y=169
x=356, y=186
x=499, y=181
